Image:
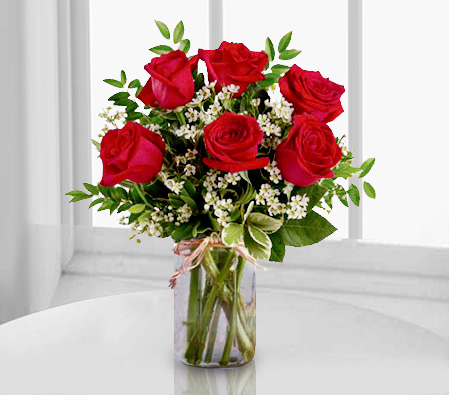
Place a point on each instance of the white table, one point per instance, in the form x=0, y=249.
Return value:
x=124, y=345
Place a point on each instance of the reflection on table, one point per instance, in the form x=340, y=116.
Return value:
x=201, y=381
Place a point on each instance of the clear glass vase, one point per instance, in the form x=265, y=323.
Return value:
x=215, y=310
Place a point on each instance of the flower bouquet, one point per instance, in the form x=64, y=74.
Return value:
x=233, y=169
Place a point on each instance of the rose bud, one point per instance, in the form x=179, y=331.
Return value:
x=234, y=64
x=133, y=153
x=312, y=94
x=171, y=83
x=308, y=153
x=232, y=142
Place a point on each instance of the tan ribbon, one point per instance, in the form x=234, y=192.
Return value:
x=193, y=252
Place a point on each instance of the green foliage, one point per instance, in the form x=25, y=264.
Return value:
x=163, y=29
x=369, y=190
x=161, y=49
x=233, y=234
x=366, y=167
x=269, y=49
x=123, y=77
x=91, y=188
x=264, y=222
x=345, y=170
x=279, y=69
x=354, y=194
x=285, y=41
x=137, y=208
x=256, y=249
x=278, y=247
x=289, y=54
x=96, y=144
x=309, y=230
x=134, y=84
x=178, y=32
x=113, y=82
x=78, y=195
x=270, y=79
x=184, y=45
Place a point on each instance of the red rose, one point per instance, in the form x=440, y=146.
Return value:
x=132, y=153
x=312, y=94
x=171, y=83
x=308, y=153
x=232, y=142
x=234, y=64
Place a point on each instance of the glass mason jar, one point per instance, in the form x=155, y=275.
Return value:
x=215, y=310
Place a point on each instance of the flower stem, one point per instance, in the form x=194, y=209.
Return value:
x=193, y=306
x=231, y=332
x=213, y=331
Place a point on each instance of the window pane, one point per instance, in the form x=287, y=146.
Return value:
x=319, y=30
x=406, y=100
x=121, y=34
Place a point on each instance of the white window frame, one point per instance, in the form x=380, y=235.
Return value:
x=352, y=255
x=75, y=97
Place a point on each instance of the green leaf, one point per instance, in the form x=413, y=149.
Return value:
x=248, y=211
x=92, y=189
x=76, y=193
x=289, y=54
x=354, y=194
x=144, y=216
x=345, y=170
x=123, y=77
x=96, y=201
x=104, y=190
x=184, y=45
x=269, y=49
x=119, y=193
x=183, y=231
x=343, y=199
x=283, y=44
x=178, y=32
x=271, y=78
x=366, y=167
x=112, y=82
x=256, y=250
x=97, y=144
x=278, y=248
x=134, y=84
x=259, y=236
x=264, y=222
x=118, y=96
x=124, y=207
x=233, y=234
x=161, y=49
x=137, y=208
x=134, y=116
x=306, y=231
x=80, y=197
x=113, y=207
x=279, y=69
x=369, y=190
x=163, y=29
x=106, y=205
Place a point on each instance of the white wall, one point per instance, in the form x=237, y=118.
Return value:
x=29, y=161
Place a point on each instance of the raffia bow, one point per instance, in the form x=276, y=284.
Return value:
x=193, y=252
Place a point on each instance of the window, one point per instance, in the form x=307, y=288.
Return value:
x=403, y=90
x=121, y=35
x=405, y=100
